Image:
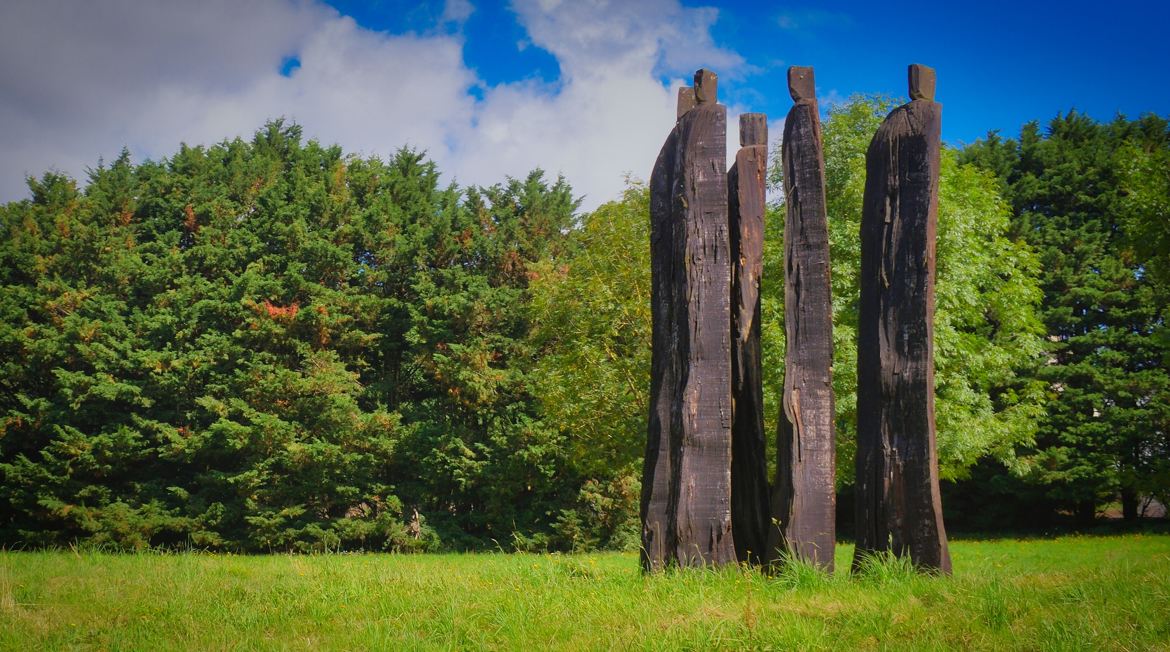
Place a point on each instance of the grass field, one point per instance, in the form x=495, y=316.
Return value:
x=1091, y=593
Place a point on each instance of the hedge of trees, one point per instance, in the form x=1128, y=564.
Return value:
x=269, y=345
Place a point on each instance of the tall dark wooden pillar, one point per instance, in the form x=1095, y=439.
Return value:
x=689, y=429
x=702, y=276
x=746, y=186
x=804, y=497
x=657, y=528
x=898, y=504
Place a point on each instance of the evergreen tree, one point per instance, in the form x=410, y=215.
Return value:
x=267, y=345
x=1104, y=430
x=479, y=458
x=591, y=325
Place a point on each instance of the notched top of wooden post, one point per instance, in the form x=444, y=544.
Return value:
x=921, y=80
x=686, y=100
x=753, y=129
x=706, y=86
x=801, y=84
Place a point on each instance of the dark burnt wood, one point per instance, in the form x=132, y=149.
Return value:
x=921, y=81
x=898, y=504
x=686, y=479
x=701, y=455
x=753, y=129
x=804, y=496
x=802, y=84
x=686, y=101
x=746, y=183
x=706, y=87
x=657, y=528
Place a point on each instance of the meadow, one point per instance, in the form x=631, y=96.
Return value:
x=1074, y=592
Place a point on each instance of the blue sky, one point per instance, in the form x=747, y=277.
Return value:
x=1000, y=64
x=489, y=88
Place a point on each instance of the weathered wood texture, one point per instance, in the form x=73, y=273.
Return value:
x=749, y=473
x=686, y=101
x=701, y=457
x=804, y=496
x=657, y=530
x=686, y=480
x=898, y=504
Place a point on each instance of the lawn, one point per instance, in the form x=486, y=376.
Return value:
x=1081, y=592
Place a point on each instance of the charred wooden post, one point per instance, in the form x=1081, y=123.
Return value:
x=804, y=497
x=686, y=101
x=749, y=473
x=898, y=504
x=657, y=527
x=686, y=476
x=701, y=493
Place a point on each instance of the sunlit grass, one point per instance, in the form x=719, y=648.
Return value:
x=1088, y=593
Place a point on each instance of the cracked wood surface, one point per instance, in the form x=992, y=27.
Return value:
x=749, y=473
x=657, y=531
x=898, y=503
x=804, y=493
x=701, y=452
x=686, y=476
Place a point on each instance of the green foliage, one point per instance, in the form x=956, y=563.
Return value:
x=1143, y=165
x=986, y=328
x=591, y=321
x=267, y=345
x=1091, y=199
x=1144, y=169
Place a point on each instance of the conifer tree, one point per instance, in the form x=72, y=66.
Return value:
x=1075, y=189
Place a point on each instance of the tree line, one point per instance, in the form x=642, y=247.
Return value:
x=270, y=345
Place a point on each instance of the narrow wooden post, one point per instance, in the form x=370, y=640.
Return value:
x=686, y=101
x=701, y=493
x=657, y=528
x=686, y=476
x=804, y=497
x=749, y=473
x=898, y=504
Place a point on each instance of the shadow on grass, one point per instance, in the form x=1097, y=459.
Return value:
x=1100, y=528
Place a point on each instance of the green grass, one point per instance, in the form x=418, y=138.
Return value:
x=1090, y=593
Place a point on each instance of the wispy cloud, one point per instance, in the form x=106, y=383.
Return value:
x=812, y=19
x=81, y=80
x=457, y=11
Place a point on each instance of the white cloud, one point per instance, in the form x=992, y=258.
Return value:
x=593, y=38
x=80, y=80
x=457, y=11
x=610, y=112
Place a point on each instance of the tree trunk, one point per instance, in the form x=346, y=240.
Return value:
x=1129, y=505
x=701, y=454
x=898, y=503
x=1086, y=513
x=804, y=499
x=749, y=472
